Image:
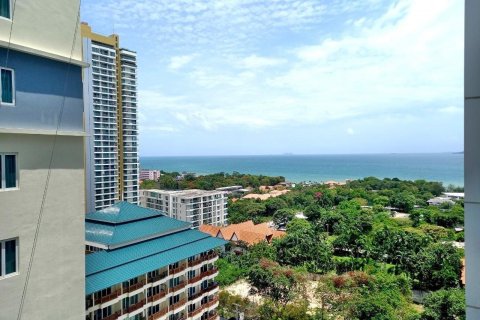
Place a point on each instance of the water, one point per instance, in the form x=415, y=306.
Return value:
x=444, y=167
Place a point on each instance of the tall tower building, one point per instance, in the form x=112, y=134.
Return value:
x=112, y=166
x=42, y=189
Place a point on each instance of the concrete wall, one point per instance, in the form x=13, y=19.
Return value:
x=48, y=26
x=40, y=87
x=56, y=287
x=472, y=157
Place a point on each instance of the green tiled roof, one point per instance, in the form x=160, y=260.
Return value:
x=122, y=212
x=112, y=235
x=103, y=260
x=130, y=265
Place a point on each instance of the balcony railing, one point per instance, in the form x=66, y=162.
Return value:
x=157, y=296
x=202, y=275
x=211, y=302
x=213, y=316
x=135, y=306
x=201, y=259
x=178, y=287
x=177, y=305
x=113, y=316
x=107, y=298
x=179, y=269
x=134, y=287
x=202, y=292
x=196, y=311
x=158, y=277
x=159, y=314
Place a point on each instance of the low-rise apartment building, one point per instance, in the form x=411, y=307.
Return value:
x=146, y=174
x=195, y=206
x=143, y=265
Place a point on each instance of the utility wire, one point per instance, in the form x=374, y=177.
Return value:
x=47, y=182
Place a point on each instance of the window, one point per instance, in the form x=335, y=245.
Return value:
x=8, y=257
x=7, y=86
x=8, y=171
x=6, y=9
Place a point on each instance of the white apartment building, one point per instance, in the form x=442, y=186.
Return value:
x=150, y=174
x=110, y=86
x=42, y=189
x=195, y=206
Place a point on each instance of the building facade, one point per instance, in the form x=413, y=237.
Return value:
x=150, y=174
x=195, y=206
x=110, y=93
x=472, y=157
x=145, y=265
x=42, y=189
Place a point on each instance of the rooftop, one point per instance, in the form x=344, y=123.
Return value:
x=190, y=193
x=137, y=245
x=122, y=212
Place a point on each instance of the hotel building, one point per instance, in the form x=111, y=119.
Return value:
x=150, y=174
x=141, y=264
x=195, y=206
x=42, y=189
x=110, y=92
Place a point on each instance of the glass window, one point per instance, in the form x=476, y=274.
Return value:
x=8, y=257
x=10, y=171
x=7, y=85
x=5, y=9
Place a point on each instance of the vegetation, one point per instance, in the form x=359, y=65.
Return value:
x=368, y=261
x=177, y=181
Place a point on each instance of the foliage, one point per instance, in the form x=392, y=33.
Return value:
x=283, y=216
x=229, y=304
x=437, y=266
x=281, y=284
x=228, y=272
x=445, y=304
x=302, y=246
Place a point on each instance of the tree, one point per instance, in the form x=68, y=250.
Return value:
x=272, y=205
x=283, y=216
x=445, y=304
x=302, y=246
x=437, y=266
x=281, y=284
x=405, y=201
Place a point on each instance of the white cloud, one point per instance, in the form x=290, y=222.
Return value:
x=180, y=61
x=255, y=62
x=451, y=110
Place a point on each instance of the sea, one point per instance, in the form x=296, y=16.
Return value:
x=442, y=167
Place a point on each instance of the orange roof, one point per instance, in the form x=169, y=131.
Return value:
x=211, y=230
x=249, y=232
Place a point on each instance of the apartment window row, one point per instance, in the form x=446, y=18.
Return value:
x=8, y=257
x=8, y=171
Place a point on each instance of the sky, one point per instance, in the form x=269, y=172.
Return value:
x=246, y=77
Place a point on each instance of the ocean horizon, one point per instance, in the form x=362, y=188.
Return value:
x=443, y=167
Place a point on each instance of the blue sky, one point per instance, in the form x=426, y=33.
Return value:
x=237, y=77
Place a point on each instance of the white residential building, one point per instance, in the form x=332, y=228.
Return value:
x=110, y=86
x=150, y=174
x=42, y=189
x=195, y=206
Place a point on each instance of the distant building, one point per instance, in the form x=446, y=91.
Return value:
x=437, y=201
x=110, y=91
x=150, y=174
x=454, y=195
x=195, y=206
x=144, y=265
x=41, y=161
x=246, y=232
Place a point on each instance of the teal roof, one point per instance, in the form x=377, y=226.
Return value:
x=114, y=235
x=105, y=269
x=122, y=212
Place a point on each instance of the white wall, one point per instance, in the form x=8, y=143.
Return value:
x=46, y=25
x=472, y=157
x=57, y=281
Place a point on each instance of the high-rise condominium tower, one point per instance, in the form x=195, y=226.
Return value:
x=110, y=91
x=42, y=189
